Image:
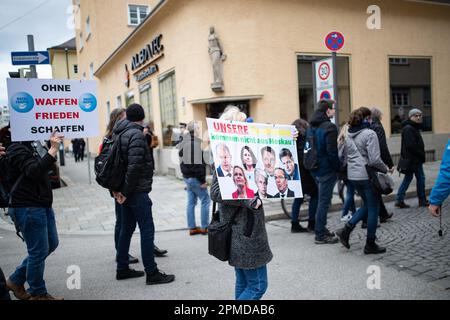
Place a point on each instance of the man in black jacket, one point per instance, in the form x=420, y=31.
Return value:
x=412, y=159
x=325, y=134
x=133, y=196
x=193, y=169
x=28, y=164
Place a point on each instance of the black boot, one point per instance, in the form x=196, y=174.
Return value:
x=386, y=217
x=159, y=252
x=402, y=205
x=311, y=225
x=344, y=235
x=128, y=274
x=372, y=248
x=423, y=203
x=297, y=228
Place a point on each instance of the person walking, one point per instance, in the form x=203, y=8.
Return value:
x=412, y=159
x=28, y=164
x=152, y=143
x=308, y=184
x=116, y=115
x=193, y=169
x=325, y=135
x=377, y=126
x=362, y=150
x=441, y=189
x=81, y=147
x=250, y=251
x=134, y=198
x=76, y=149
x=349, y=203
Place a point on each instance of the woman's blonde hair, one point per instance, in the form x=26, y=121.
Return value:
x=343, y=134
x=232, y=113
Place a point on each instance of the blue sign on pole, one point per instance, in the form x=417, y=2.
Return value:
x=19, y=58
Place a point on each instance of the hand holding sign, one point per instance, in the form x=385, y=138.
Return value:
x=55, y=141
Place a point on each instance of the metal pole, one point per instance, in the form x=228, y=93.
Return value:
x=67, y=63
x=33, y=73
x=89, y=160
x=335, y=85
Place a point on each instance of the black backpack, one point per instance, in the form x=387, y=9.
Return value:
x=310, y=161
x=109, y=165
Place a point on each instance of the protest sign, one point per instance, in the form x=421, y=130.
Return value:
x=255, y=158
x=40, y=106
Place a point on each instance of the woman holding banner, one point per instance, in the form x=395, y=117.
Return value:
x=250, y=252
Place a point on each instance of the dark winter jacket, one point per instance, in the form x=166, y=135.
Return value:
x=35, y=189
x=308, y=183
x=247, y=252
x=191, y=158
x=139, y=174
x=384, y=150
x=326, y=139
x=413, y=148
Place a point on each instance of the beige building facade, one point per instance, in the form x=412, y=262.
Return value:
x=63, y=60
x=270, y=47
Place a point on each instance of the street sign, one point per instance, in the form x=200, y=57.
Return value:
x=323, y=76
x=19, y=58
x=334, y=41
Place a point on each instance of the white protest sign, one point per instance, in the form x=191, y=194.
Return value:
x=255, y=158
x=40, y=106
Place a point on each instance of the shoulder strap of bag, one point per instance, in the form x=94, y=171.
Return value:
x=14, y=187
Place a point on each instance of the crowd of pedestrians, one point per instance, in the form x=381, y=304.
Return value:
x=360, y=145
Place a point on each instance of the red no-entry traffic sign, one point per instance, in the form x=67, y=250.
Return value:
x=334, y=41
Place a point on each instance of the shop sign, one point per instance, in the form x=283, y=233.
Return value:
x=146, y=72
x=148, y=53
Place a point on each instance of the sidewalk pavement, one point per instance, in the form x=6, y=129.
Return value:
x=83, y=208
x=411, y=235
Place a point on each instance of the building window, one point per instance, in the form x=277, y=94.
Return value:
x=400, y=98
x=410, y=84
x=84, y=75
x=119, y=102
x=136, y=14
x=75, y=68
x=168, y=105
x=129, y=98
x=399, y=61
x=88, y=28
x=306, y=88
x=108, y=110
x=81, y=41
x=145, y=98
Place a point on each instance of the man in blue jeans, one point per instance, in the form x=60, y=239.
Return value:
x=133, y=196
x=193, y=169
x=412, y=159
x=325, y=133
x=31, y=199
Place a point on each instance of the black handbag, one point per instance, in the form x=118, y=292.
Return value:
x=219, y=236
x=382, y=182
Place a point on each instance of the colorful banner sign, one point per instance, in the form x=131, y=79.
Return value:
x=255, y=158
x=40, y=106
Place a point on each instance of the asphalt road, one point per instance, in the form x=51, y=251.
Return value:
x=300, y=270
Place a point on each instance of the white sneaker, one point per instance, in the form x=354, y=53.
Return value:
x=346, y=218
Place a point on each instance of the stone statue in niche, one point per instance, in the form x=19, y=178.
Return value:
x=217, y=59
